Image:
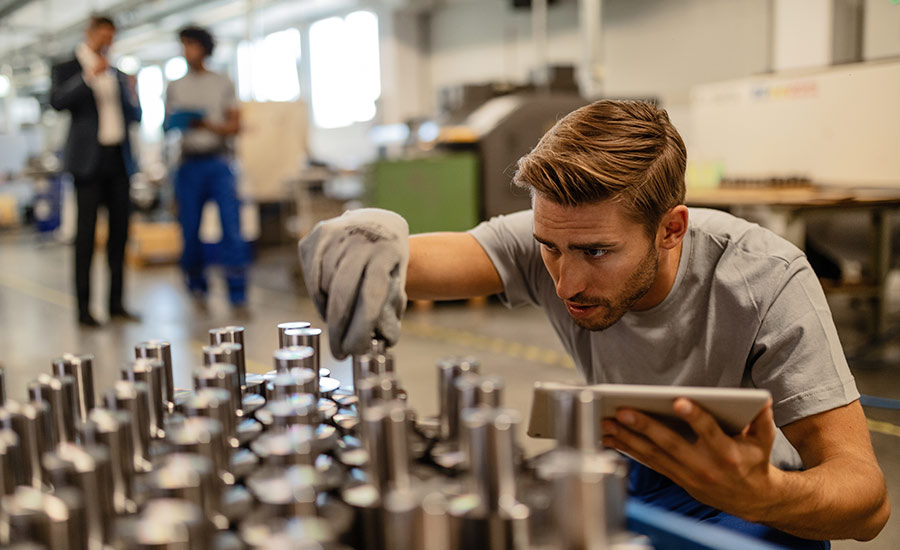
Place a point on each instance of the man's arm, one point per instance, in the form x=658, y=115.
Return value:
x=449, y=266
x=68, y=90
x=841, y=494
x=230, y=127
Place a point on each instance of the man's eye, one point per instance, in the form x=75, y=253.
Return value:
x=596, y=252
x=548, y=247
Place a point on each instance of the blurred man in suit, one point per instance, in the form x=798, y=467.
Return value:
x=102, y=102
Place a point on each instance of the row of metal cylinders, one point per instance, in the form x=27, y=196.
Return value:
x=154, y=448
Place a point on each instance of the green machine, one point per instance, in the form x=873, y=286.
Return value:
x=438, y=192
x=467, y=178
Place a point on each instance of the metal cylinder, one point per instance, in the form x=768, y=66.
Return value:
x=287, y=326
x=286, y=492
x=375, y=362
x=226, y=352
x=286, y=448
x=232, y=335
x=222, y=376
x=10, y=459
x=215, y=403
x=81, y=369
x=204, y=437
x=306, y=337
x=56, y=520
x=2, y=385
x=595, y=485
x=283, y=414
x=189, y=477
x=448, y=371
x=30, y=422
x=166, y=524
x=575, y=418
x=113, y=430
x=294, y=357
x=256, y=385
x=132, y=398
x=161, y=350
x=58, y=392
x=376, y=388
x=287, y=384
x=490, y=437
x=88, y=469
x=384, y=433
x=150, y=372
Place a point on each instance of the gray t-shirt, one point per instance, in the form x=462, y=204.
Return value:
x=205, y=91
x=746, y=310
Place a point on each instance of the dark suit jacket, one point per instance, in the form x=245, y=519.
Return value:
x=69, y=92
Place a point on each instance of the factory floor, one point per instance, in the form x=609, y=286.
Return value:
x=38, y=323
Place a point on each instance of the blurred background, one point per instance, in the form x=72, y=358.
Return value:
x=790, y=110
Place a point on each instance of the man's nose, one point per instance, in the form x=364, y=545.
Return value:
x=571, y=280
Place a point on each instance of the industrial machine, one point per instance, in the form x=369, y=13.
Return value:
x=467, y=176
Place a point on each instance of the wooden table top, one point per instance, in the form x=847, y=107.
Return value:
x=795, y=197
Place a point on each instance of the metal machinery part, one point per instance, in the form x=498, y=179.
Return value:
x=226, y=466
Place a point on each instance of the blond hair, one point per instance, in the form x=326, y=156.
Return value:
x=626, y=151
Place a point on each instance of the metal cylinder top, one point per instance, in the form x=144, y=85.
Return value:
x=288, y=325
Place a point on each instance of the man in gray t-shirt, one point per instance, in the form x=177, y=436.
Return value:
x=203, y=107
x=643, y=290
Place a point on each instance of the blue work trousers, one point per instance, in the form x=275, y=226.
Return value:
x=655, y=489
x=197, y=181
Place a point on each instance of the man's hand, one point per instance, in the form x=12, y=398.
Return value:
x=354, y=267
x=732, y=474
x=101, y=66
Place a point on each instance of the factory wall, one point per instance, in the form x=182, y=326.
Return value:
x=881, y=37
x=652, y=48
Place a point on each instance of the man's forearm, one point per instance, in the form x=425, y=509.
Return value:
x=449, y=266
x=839, y=499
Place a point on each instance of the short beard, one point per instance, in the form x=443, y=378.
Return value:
x=636, y=288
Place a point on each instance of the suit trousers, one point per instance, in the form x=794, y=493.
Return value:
x=108, y=185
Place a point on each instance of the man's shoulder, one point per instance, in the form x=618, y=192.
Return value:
x=730, y=234
x=65, y=63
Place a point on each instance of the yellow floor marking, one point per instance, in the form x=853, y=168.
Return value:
x=30, y=288
x=486, y=343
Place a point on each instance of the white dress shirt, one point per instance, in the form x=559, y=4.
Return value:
x=111, y=130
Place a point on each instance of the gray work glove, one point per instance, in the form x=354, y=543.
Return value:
x=355, y=271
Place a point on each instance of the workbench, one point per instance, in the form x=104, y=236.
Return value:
x=789, y=205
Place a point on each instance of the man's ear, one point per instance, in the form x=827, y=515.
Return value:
x=673, y=226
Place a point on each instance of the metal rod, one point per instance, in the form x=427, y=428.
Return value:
x=384, y=433
x=448, y=371
x=308, y=337
x=161, y=350
x=232, y=335
x=151, y=373
x=287, y=326
x=133, y=398
x=113, y=430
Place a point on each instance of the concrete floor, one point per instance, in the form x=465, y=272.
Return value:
x=37, y=323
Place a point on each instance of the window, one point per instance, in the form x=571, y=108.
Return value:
x=150, y=95
x=267, y=68
x=344, y=69
x=175, y=68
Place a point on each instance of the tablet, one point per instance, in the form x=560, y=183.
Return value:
x=733, y=408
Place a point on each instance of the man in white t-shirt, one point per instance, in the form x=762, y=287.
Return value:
x=643, y=290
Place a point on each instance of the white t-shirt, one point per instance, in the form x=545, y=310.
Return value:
x=746, y=310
